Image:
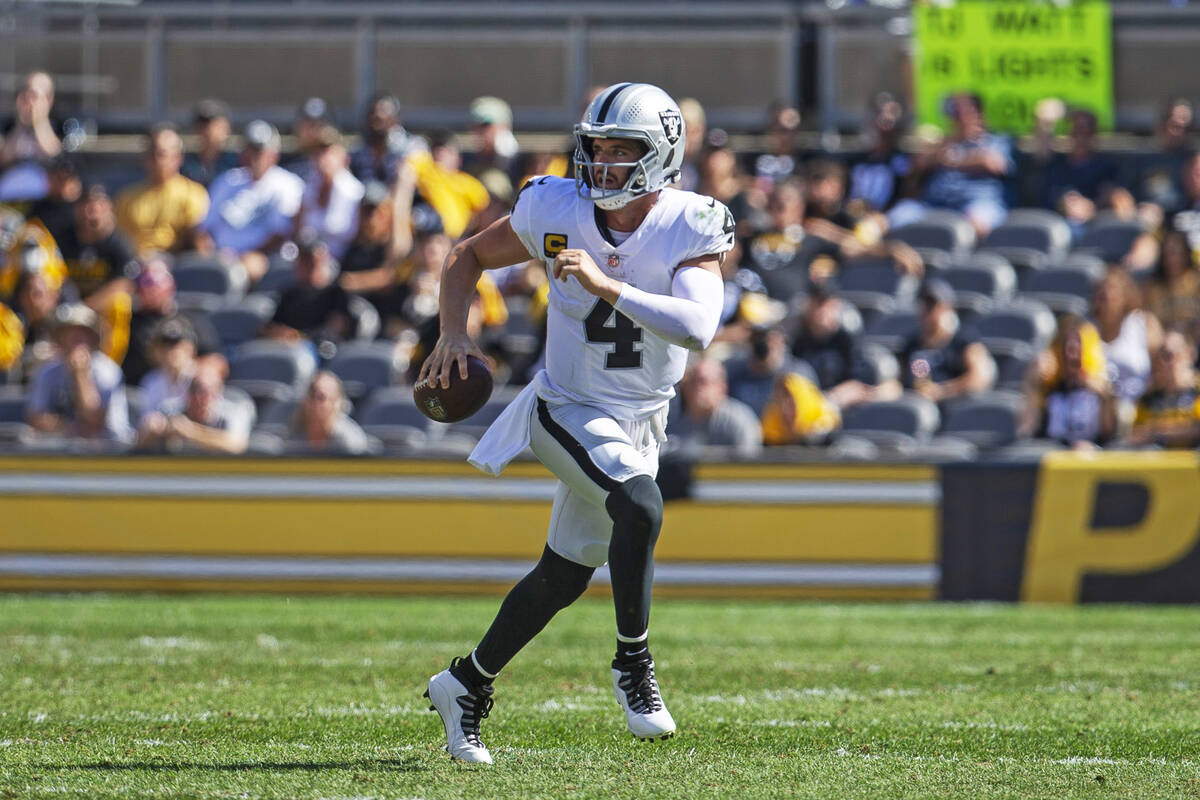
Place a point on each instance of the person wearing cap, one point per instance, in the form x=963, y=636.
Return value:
x=204, y=420
x=153, y=303
x=316, y=307
x=161, y=213
x=210, y=123
x=173, y=348
x=79, y=393
x=331, y=193
x=822, y=341
x=56, y=211
x=495, y=145
x=383, y=239
x=252, y=208
x=943, y=359
x=100, y=260
x=385, y=143
x=312, y=119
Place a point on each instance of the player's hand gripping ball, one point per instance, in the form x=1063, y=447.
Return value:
x=461, y=400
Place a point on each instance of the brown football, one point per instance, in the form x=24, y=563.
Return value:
x=461, y=400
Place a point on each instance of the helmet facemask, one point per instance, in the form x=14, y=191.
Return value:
x=611, y=198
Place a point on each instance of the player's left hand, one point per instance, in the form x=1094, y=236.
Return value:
x=578, y=263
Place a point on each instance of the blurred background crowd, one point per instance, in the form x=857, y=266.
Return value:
x=919, y=296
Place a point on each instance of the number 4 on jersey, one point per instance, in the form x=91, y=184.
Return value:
x=622, y=333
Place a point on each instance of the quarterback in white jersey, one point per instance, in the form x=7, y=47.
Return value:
x=635, y=283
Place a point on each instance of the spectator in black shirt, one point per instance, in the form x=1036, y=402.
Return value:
x=879, y=178
x=943, y=360
x=316, y=307
x=56, y=211
x=783, y=253
x=100, y=260
x=823, y=343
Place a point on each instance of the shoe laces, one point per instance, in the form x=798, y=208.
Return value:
x=476, y=704
x=640, y=687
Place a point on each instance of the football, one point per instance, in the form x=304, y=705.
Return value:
x=461, y=400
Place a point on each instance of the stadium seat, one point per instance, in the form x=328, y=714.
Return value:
x=390, y=415
x=978, y=290
x=874, y=287
x=1109, y=238
x=1031, y=238
x=1063, y=290
x=988, y=420
x=280, y=275
x=241, y=322
x=12, y=412
x=910, y=416
x=270, y=370
x=276, y=416
x=1023, y=321
x=874, y=364
x=1012, y=361
x=475, y=425
x=366, y=366
x=890, y=331
x=946, y=232
x=208, y=283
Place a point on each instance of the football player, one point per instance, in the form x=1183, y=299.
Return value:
x=635, y=269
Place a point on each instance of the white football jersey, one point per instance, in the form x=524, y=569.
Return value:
x=595, y=354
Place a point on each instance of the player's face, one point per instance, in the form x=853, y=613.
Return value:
x=613, y=151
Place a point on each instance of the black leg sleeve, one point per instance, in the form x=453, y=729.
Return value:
x=636, y=508
x=552, y=585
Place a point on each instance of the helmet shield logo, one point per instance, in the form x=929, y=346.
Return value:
x=672, y=123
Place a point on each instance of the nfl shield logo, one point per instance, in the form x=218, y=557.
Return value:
x=614, y=260
x=672, y=124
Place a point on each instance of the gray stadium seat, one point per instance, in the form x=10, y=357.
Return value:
x=1063, y=290
x=1110, y=239
x=946, y=232
x=366, y=366
x=208, y=283
x=890, y=331
x=241, y=322
x=989, y=420
x=270, y=370
x=277, y=416
x=978, y=290
x=910, y=415
x=1023, y=321
x=1012, y=363
x=475, y=425
x=874, y=287
x=280, y=275
x=12, y=412
x=874, y=364
x=390, y=415
x=1031, y=238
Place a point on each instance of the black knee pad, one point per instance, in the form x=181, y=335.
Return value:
x=637, y=506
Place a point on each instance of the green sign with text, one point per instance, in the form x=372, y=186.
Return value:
x=1013, y=53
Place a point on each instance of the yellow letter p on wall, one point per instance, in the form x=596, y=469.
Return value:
x=1065, y=544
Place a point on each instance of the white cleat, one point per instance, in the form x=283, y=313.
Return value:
x=637, y=692
x=461, y=712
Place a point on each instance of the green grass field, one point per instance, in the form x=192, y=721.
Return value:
x=248, y=697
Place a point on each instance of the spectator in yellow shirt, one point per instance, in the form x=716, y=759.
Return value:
x=162, y=212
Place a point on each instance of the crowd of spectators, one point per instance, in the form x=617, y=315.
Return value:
x=924, y=296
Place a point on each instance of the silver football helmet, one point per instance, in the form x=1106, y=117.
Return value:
x=636, y=111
